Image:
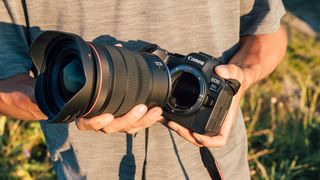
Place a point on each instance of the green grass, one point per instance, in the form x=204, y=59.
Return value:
x=23, y=153
x=282, y=115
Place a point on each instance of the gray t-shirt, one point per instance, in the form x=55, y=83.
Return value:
x=211, y=26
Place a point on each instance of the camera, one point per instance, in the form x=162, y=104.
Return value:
x=76, y=79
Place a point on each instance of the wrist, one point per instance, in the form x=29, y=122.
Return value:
x=251, y=70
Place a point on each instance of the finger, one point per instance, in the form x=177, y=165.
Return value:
x=183, y=132
x=95, y=123
x=127, y=120
x=221, y=139
x=213, y=141
x=230, y=71
x=147, y=120
x=164, y=122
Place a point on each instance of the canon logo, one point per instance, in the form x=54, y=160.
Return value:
x=193, y=59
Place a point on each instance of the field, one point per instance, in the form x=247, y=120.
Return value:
x=282, y=115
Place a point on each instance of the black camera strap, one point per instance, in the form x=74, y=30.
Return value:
x=28, y=33
x=209, y=162
x=27, y=29
x=144, y=168
x=206, y=157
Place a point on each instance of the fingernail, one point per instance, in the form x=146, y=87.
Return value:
x=141, y=110
x=197, y=137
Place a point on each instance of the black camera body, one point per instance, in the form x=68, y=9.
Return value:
x=84, y=79
x=208, y=112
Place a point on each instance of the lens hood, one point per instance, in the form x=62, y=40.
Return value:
x=45, y=55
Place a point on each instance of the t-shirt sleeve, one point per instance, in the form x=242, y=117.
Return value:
x=14, y=56
x=264, y=18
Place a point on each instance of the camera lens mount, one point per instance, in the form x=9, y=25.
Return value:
x=188, y=90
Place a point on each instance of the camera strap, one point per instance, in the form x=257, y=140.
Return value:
x=209, y=162
x=28, y=33
x=145, y=154
x=27, y=29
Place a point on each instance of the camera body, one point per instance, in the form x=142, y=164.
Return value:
x=207, y=114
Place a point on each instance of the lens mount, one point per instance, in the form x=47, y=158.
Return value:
x=188, y=90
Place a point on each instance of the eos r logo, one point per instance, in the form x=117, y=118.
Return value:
x=193, y=59
x=216, y=81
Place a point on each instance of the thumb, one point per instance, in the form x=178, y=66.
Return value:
x=230, y=71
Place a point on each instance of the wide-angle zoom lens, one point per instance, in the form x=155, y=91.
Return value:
x=84, y=79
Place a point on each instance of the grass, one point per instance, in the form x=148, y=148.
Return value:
x=281, y=113
x=23, y=153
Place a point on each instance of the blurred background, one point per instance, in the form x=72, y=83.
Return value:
x=282, y=114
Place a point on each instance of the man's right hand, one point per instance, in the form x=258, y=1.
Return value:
x=137, y=119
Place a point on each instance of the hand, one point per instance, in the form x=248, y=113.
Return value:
x=229, y=71
x=137, y=119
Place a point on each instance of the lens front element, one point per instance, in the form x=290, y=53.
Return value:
x=73, y=78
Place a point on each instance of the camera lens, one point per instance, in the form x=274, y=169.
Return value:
x=85, y=79
x=188, y=89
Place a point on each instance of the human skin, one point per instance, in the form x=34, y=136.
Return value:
x=257, y=57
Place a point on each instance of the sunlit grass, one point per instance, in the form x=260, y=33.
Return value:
x=282, y=114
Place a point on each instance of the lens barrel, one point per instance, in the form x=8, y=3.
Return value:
x=84, y=79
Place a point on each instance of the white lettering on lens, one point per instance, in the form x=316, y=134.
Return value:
x=193, y=59
x=159, y=65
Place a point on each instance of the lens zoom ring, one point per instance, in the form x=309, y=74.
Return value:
x=138, y=82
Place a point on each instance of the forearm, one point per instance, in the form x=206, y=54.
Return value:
x=259, y=55
x=17, y=98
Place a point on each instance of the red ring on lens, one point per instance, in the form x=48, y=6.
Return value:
x=100, y=82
